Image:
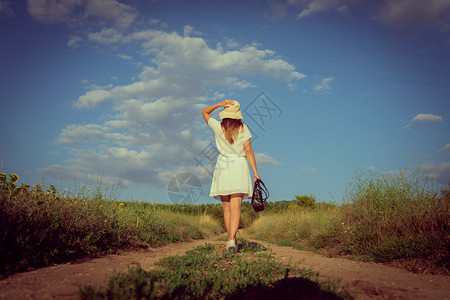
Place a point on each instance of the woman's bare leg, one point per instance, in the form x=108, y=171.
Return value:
x=235, y=215
x=226, y=212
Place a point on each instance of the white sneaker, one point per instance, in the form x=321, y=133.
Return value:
x=231, y=245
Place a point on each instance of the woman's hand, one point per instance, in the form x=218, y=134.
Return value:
x=226, y=103
x=255, y=177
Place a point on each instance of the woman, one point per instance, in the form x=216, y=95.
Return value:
x=231, y=180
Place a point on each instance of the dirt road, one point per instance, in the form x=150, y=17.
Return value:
x=362, y=280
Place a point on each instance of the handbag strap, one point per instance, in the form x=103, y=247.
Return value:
x=263, y=190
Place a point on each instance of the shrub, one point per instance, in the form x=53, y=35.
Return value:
x=305, y=201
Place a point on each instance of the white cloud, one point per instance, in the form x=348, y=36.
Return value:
x=185, y=66
x=263, y=159
x=308, y=170
x=323, y=86
x=80, y=12
x=318, y=6
x=92, y=99
x=440, y=171
x=80, y=134
x=105, y=36
x=421, y=118
x=151, y=128
x=446, y=149
x=426, y=118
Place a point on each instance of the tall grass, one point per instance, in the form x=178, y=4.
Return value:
x=315, y=227
x=391, y=215
x=386, y=216
x=39, y=227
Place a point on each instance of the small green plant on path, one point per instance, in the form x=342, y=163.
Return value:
x=209, y=272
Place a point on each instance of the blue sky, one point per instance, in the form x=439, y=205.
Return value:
x=114, y=90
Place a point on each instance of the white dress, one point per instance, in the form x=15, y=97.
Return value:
x=231, y=173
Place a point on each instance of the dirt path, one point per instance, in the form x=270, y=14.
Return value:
x=363, y=280
x=62, y=281
x=368, y=280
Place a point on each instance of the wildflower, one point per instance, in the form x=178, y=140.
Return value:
x=13, y=178
x=121, y=205
x=25, y=186
x=3, y=177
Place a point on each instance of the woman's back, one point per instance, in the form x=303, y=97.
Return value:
x=223, y=145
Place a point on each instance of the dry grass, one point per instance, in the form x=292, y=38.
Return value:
x=387, y=217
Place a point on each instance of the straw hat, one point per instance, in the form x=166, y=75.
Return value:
x=232, y=111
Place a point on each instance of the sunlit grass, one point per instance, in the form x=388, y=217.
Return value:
x=386, y=216
x=314, y=226
x=393, y=215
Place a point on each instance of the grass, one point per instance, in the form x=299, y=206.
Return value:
x=41, y=227
x=315, y=227
x=386, y=217
x=209, y=272
x=393, y=215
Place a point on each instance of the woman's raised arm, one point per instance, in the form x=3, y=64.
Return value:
x=206, y=112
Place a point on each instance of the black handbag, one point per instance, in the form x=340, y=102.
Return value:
x=260, y=195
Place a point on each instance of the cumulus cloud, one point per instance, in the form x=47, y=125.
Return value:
x=80, y=134
x=426, y=118
x=318, y=6
x=421, y=118
x=323, y=86
x=151, y=129
x=92, y=98
x=105, y=36
x=185, y=65
x=78, y=12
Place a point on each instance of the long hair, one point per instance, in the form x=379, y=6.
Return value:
x=231, y=127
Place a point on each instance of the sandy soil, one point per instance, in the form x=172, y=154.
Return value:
x=362, y=280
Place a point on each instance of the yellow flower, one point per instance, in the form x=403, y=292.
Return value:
x=2, y=177
x=13, y=178
x=121, y=205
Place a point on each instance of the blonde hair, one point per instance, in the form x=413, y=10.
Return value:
x=231, y=127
